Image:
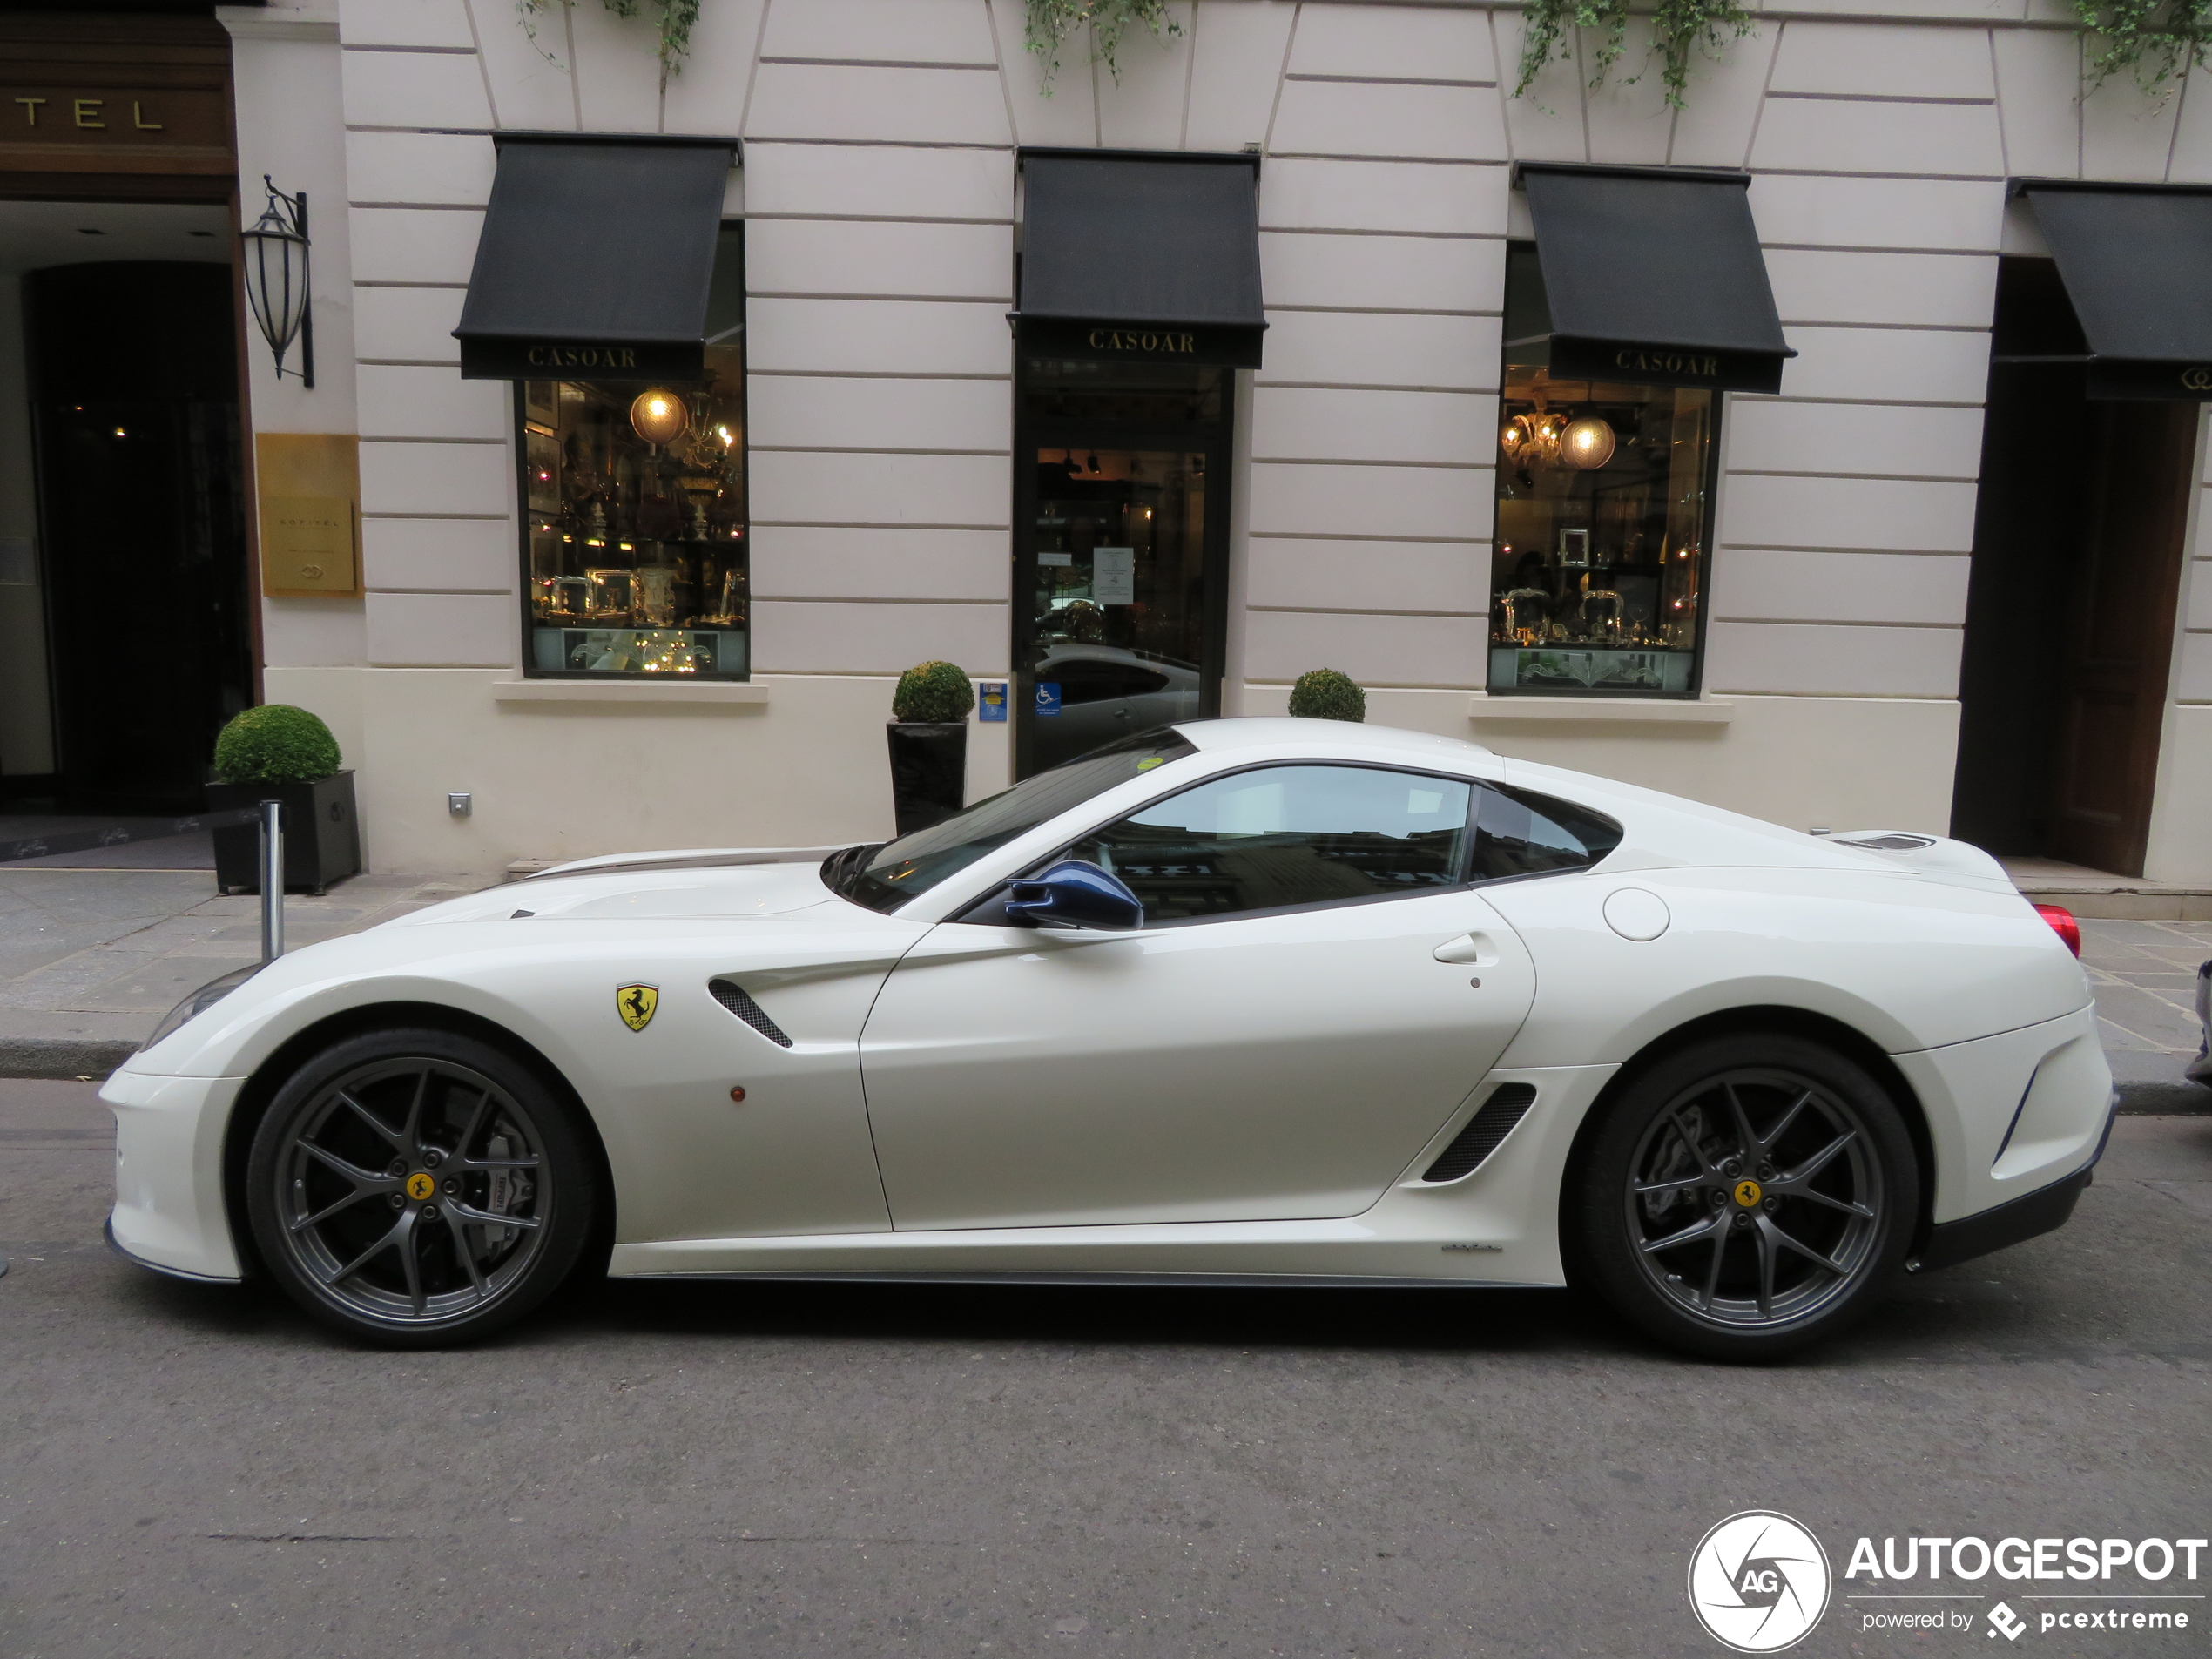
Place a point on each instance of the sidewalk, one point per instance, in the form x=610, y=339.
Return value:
x=2144, y=974
x=91, y=958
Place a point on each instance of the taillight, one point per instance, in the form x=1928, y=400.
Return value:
x=2063, y=923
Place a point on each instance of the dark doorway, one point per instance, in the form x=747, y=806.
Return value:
x=141, y=509
x=1120, y=552
x=2078, y=547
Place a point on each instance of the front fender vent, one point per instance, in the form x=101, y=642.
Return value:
x=1484, y=1130
x=732, y=996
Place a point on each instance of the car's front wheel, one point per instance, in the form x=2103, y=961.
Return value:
x=1746, y=1197
x=418, y=1188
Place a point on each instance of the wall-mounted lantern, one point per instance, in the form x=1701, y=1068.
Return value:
x=276, y=278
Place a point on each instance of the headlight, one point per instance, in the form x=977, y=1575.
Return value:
x=202, y=999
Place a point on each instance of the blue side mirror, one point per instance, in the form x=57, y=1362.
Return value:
x=1074, y=894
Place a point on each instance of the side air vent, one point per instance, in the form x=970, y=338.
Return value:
x=732, y=997
x=1888, y=843
x=1484, y=1130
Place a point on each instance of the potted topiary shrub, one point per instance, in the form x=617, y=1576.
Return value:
x=279, y=752
x=1326, y=695
x=928, y=735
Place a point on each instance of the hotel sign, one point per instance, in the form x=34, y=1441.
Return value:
x=53, y=125
x=78, y=98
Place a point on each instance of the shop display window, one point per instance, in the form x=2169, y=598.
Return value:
x=634, y=515
x=1604, y=493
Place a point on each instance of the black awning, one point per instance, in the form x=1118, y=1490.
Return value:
x=2134, y=259
x=595, y=259
x=1653, y=274
x=1140, y=257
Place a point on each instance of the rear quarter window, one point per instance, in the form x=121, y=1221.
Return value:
x=1518, y=831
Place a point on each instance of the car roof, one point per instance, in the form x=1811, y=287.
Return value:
x=1275, y=732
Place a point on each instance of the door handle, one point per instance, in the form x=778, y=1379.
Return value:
x=1468, y=948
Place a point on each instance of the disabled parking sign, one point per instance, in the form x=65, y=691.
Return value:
x=1047, y=697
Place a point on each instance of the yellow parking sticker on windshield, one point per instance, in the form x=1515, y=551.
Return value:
x=636, y=1004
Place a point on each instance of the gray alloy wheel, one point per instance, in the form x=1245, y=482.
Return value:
x=417, y=1187
x=1755, y=1198
x=1746, y=1197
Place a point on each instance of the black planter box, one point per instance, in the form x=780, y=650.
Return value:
x=320, y=842
x=928, y=770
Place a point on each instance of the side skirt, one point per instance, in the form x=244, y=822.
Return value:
x=1210, y=1281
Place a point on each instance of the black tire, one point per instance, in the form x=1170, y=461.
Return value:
x=418, y=1189
x=1782, y=1175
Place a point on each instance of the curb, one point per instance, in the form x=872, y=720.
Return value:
x=2165, y=1100
x=67, y=1058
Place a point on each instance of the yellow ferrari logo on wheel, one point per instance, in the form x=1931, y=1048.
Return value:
x=1747, y=1193
x=636, y=1004
x=419, y=1186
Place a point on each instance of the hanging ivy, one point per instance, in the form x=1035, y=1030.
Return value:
x=1680, y=28
x=2157, y=42
x=678, y=18
x=1050, y=22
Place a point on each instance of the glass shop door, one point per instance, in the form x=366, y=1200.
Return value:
x=1120, y=556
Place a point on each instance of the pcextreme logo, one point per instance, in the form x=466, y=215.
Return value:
x=1758, y=1581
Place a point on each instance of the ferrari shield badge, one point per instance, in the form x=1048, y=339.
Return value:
x=636, y=1004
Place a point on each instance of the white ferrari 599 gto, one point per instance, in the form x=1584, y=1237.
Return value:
x=1250, y=1001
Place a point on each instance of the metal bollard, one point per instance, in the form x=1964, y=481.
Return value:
x=272, y=879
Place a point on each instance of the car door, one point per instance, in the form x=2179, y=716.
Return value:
x=1314, y=992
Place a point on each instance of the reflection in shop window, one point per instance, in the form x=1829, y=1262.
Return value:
x=635, y=498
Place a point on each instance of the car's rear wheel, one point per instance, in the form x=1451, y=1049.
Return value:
x=418, y=1188
x=1746, y=1196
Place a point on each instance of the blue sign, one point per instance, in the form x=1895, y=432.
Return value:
x=1047, y=698
x=991, y=701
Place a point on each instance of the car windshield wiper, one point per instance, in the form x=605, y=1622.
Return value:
x=841, y=869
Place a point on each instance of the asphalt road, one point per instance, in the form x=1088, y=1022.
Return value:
x=715, y=1469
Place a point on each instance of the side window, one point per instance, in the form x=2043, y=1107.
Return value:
x=1520, y=832
x=1287, y=835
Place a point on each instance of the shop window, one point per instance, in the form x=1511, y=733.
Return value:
x=1603, y=519
x=635, y=554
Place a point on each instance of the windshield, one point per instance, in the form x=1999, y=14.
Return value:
x=887, y=877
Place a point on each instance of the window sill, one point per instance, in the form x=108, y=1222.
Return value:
x=1599, y=711
x=628, y=690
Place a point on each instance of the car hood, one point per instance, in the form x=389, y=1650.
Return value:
x=688, y=886
x=519, y=955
